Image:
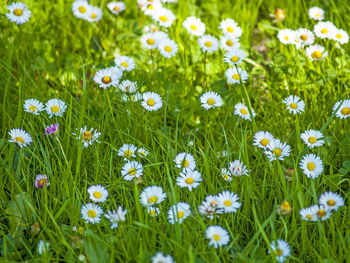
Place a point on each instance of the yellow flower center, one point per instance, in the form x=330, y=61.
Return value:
x=116, y=8
x=151, y=102
x=55, y=108
x=82, y=9
x=243, y=111
x=278, y=252
x=277, y=151
x=310, y=217
x=321, y=213
x=311, y=166
x=163, y=18
x=234, y=59
x=18, y=12
x=92, y=213
x=193, y=27
x=229, y=29
x=216, y=237
x=106, y=79
x=229, y=42
x=286, y=37
x=303, y=37
x=93, y=15
x=124, y=64
x=42, y=182
x=324, y=31
x=286, y=205
x=97, y=195
x=317, y=15
x=189, y=180
x=331, y=202
x=226, y=177
x=227, y=203
x=235, y=76
x=312, y=139
x=293, y=106
x=208, y=44
x=128, y=153
x=32, y=108
x=264, y=142
x=211, y=101
x=87, y=135
x=153, y=199
x=317, y=54
x=132, y=171
x=150, y=41
x=19, y=139
x=167, y=49
x=338, y=36
x=153, y=212
x=180, y=214
x=151, y=7
x=185, y=163
x=345, y=111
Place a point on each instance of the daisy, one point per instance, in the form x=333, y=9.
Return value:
x=168, y=48
x=125, y=63
x=153, y=211
x=340, y=36
x=52, y=129
x=41, y=181
x=128, y=86
x=43, y=247
x=194, y=26
x=228, y=42
x=316, y=13
x=98, y=193
x=132, y=97
x=237, y=168
x=151, y=8
x=127, y=151
x=311, y=165
x=324, y=29
x=116, y=7
x=230, y=27
x=309, y=213
x=88, y=137
x=305, y=36
x=331, y=201
x=316, y=52
x=33, y=106
x=323, y=212
x=211, y=99
x=262, y=139
x=276, y=149
x=225, y=173
x=217, y=236
x=91, y=213
x=208, y=43
x=189, y=178
x=116, y=216
x=312, y=138
x=179, y=212
x=151, y=101
x=280, y=249
x=142, y=152
x=294, y=104
x=152, y=40
x=152, y=195
x=286, y=36
x=284, y=209
x=81, y=8
x=164, y=17
x=185, y=160
x=242, y=111
x=20, y=137
x=228, y=201
x=236, y=75
x=108, y=77
x=342, y=109
x=131, y=170
x=94, y=14
x=234, y=56
x=19, y=13
x=210, y=207
x=160, y=258
x=55, y=107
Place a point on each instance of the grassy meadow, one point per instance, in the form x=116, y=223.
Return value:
x=56, y=55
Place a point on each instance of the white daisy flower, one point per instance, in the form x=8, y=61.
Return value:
x=217, y=236
x=280, y=249
x=108, y=77
x=142, y=152
x=331, y=201
x=208, y=43
x=294, y=104
x=55, y=107
x=91, y=213
x=116, y=216
x=340, y=36
x=234, y=56
x=116, y=7
x=344, y=110
x=19, y=13
x=305, y=36
x=125, y=63
x=316, y=52
x=228, y=201
x=312, y=138
x=228, y=42
x=210, y=207
x=311, y=165
x=88, y=137
x=316, y=13
x=211, y=99
x=194, y=26
x=178, y=213
x=132, y=97
x=33, y=106
x=43, y=247
x=164, y=17
x=128, y=86
x=160, y=258
x=226, y=174
x=97, y=193
x=151, y=8
x=286, y=36
x=309, y=213
x=152, y=40
x=152, y=195
x=235, y=76
x=237, y=168
x=94, y=14
x=151, y=101
x=20, y=137
x=242, y=111
x=168, y=48
x=131, y=170
x=262, y=139
x=81, y=8
x=276, y=149
x=153, y=211
x=230, y=27
x=185, y=160
x=189, y=178
x=127, y=151
x=324, y=29
x=323, y=213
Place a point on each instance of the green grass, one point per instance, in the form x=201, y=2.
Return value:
x=55, y=55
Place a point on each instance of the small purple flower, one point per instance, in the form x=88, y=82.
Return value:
x=52, y=129
x=41, y=181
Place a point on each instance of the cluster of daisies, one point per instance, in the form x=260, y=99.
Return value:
x=304, y=37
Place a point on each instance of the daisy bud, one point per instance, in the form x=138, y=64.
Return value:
x=35, y=228
x=289, y=174
x=284, y=209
